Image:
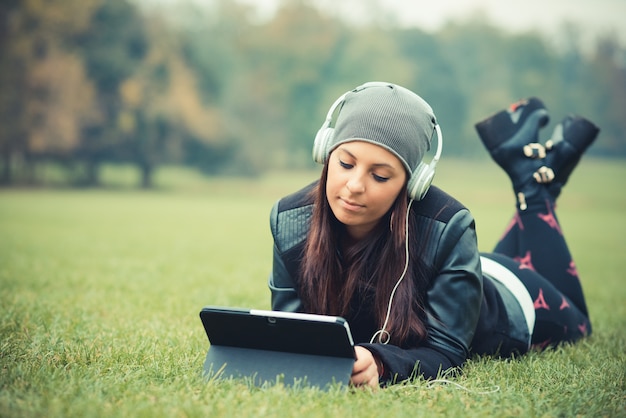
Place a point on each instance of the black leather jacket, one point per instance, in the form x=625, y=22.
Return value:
x=461, y=305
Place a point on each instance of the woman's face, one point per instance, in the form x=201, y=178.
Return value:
x=363, y=182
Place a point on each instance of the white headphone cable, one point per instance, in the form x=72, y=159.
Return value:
x=381, y=333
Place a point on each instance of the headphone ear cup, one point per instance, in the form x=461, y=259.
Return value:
x=320, y=145
x=420, y=181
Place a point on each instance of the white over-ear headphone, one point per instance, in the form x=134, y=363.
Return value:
x=422, y=175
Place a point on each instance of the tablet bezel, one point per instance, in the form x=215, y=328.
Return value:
x=298, y=333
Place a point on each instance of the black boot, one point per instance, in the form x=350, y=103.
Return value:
x=512, y=138
x=570, y=139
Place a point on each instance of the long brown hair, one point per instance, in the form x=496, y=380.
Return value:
x=333, y=274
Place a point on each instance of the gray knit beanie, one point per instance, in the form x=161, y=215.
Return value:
x=388, y=115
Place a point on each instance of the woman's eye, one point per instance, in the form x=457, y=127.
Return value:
x=380, y=179
x=345, y=165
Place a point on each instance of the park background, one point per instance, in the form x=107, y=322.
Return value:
x=215, y=86
x=142, y=144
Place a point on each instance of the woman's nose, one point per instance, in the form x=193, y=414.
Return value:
x=355, y=184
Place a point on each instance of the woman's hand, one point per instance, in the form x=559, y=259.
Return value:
x=365, y=371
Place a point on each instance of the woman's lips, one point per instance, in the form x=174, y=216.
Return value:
x=350, y=205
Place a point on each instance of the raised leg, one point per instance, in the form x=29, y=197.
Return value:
x=534, y=241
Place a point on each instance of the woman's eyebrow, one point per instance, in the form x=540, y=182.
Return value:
x=342, y=149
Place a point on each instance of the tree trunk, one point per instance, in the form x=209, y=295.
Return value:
x=92, y=175
x=146, y=175
x=5, y=174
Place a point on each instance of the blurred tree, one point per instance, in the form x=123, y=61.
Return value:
x=476, y=51
x=212, y=47
x=112, y=46
x=436, y=79
x=290, y=57
x=571, y=68
x=162, y=120
x=13, y=82
x=61, y=105
x=270, y=99
x=46, y=98
x=531, y=65
x=607, y=99
x=301, y=61
x=155, y=103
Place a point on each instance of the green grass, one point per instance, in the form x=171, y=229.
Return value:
x=100, y=293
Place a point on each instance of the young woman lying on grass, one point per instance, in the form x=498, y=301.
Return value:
x=372, y=240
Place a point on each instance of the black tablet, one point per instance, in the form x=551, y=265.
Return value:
x=273, y=346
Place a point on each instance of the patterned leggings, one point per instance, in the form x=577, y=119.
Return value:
x=533, y=247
